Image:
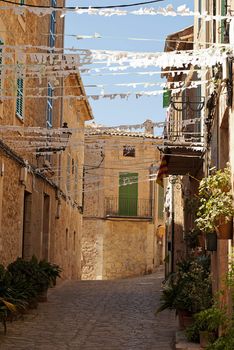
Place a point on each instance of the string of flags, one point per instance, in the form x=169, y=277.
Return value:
x=169, y=10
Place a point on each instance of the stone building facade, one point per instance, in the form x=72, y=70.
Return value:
x=123, y=212
x=41, y=145
x=220, y=111
x=215, y=135
x=182, y=150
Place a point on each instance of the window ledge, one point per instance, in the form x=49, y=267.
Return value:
x=19, y=117
x=128, y=218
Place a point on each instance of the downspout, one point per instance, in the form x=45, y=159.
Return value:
x=62, y=103
x=172, y=226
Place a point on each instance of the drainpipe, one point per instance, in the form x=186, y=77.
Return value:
x=172, y=224
x=61, y=105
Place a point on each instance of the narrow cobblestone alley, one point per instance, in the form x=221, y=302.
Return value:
x=96, y=315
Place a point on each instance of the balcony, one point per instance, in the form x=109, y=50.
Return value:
x=183, y=144
x=184, y=126
x=128, y=208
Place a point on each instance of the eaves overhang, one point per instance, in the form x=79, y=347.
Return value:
x=182, y=160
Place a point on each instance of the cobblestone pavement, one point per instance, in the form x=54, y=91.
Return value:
x=96, y=315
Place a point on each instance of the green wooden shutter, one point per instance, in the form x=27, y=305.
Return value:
x=128, y=194
x=166, y=98
x=20, y=97
x=223, y=21
x=160, y=202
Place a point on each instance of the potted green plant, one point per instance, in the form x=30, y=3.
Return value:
x=225, y=342
x=208, y=321
x=188, y=290
x=216, y=210
x=51, y=270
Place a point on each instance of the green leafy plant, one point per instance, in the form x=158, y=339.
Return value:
x=52, y=271
x=207, y=320
x=189, y=288
x=192, y=238
x=225, y=342
x=22, y=283
x=216, y=201
x=10, y=303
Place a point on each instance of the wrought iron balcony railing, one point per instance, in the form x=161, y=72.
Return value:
x=128, y=207
x=185, y=122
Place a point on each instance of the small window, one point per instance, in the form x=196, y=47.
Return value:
x=20, y=98
x=129, y=151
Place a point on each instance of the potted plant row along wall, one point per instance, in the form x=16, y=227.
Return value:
x=188, y=290
x=206, y=324
x=23, y=285
x=216, y=210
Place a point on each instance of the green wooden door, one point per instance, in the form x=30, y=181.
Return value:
x=128, y=194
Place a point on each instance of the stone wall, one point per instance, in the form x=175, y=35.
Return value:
x=40, y=210
x=92, y=249
x=125, y=248
x=12, y=210
x=118, y=247
x=60, y=242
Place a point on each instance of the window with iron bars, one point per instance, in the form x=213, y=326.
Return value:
x=20, y=98
x=49, y=116
x=52, y=36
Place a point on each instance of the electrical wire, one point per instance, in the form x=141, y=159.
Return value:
x=82, y=7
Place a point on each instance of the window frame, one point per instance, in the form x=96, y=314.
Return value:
x=129, y=151
x=52, y=36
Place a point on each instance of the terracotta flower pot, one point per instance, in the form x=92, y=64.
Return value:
x=205, y=338
x=42, y=297
x=224, y=228
x=185, y=319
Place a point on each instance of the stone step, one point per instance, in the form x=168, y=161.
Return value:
x=181, y=342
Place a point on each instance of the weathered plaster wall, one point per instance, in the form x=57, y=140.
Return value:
x=50, y=225
x=12, y=211
x=117, y=248
x=126, y=248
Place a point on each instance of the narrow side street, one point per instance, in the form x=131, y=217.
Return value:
x=100, y=315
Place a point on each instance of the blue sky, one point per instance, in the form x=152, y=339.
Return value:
x=119, y=111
